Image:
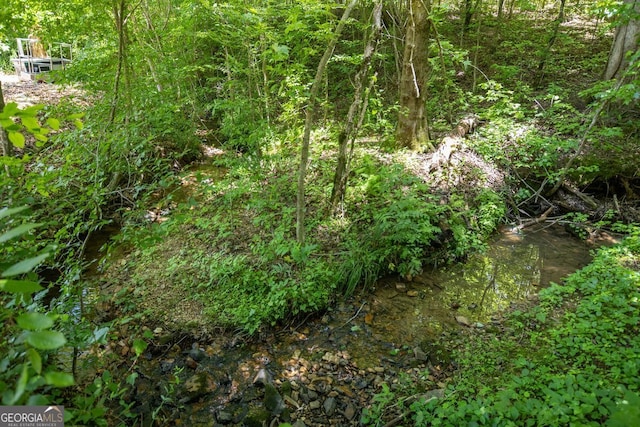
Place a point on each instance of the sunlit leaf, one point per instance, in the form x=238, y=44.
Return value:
x=46, y=340
x=30, y=111
x=75, y=116
x=17, y=231
x=78, y=124
x=24, y=266
x=17, y=139
x=20, y=286
x=36, y=360
x=10, y=109
x=30, y=123
x=21, y=384
x=59, y=379
x=34, y=321
x=40, y=137
x=139, y=346
x=53, y=123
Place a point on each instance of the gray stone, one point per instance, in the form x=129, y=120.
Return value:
x=329, y=406
x=224, y=417
x=349, y=412
x=314, y=404
x=273, y=402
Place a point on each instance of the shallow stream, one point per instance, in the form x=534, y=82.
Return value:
x=329, y=366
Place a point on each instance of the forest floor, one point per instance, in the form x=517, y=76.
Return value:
x=322, y=387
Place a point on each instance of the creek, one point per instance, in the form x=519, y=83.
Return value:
x=326, y=368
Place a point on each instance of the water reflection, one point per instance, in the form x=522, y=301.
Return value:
x=514, y=267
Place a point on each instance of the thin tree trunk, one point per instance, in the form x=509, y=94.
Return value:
x=119, y=16
x=351, y=128
x=5, y=145
x=309, y=116
x=552, y=39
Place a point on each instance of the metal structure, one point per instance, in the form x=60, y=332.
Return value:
x=33, y=59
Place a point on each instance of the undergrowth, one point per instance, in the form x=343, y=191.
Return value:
x=229, y=248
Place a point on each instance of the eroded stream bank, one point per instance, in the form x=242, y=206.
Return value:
x=325, y=370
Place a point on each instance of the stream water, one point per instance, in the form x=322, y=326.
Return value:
x=329, y=366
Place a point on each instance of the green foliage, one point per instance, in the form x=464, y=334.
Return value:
x=26, y=372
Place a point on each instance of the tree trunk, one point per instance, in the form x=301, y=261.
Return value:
x=351, y=127
x=309, y=115
x=5, y=145
x=625, y=41
x=412, y=129
x=552, y=40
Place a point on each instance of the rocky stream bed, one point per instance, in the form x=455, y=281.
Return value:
x=325, y=370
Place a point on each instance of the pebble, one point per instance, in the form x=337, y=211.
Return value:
x=314, y=404
x=463, y=321
x=349, y=412
x=329, y=406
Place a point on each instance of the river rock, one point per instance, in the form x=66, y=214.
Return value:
x=314, y=404
x=273, y=402
x=257, y=417
x=199, y=385
x=463, y=321
x=329, y=406
x=434, y=394
x=349, y=412
x=224, y=417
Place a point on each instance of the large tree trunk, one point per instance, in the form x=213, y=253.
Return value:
x=625, y=41
x=309, y=116
x=412, y=129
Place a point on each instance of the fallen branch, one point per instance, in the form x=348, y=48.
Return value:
x=535, y=221
x=573, y=190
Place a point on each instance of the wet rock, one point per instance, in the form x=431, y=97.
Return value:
x=257, y=417
x=434, y=394
x=191, y=363
x=420, y=355
x=262, y=377
x=273, y=402
x=349, y=412
x=224, y=417
x=463, y=321
x=167, y=365
x=197, y=354
x=329, y=406
x=199, y=385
